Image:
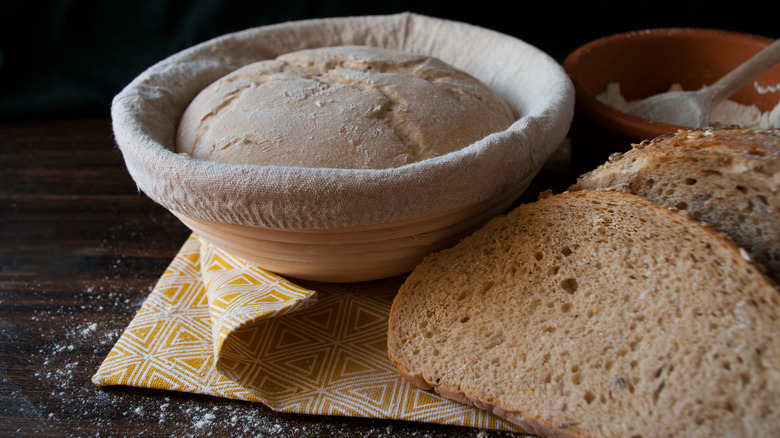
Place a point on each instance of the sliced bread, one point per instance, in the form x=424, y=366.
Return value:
x=728, y=177
x=596, y=314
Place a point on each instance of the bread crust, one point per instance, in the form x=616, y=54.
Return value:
x=530, y=425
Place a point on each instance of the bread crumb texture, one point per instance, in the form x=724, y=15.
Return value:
x=727, y=177
x=340, y=107
x=596, y=313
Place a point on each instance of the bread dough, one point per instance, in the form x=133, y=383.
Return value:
x=355, y=107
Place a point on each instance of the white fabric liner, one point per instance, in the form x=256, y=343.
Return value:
x=146, y=113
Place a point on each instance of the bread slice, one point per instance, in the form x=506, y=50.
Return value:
x=728, y=177
x=596, y=314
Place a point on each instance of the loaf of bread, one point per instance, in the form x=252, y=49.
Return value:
x=353, y=107
x=728, y=177
x=596, y=314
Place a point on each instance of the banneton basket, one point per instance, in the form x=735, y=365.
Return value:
x=344, y=225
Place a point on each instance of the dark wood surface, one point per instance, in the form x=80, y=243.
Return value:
x=80, y=249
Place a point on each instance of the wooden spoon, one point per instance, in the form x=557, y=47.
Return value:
x=693, y=108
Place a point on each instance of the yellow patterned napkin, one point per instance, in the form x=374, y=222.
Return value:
x=217, y=325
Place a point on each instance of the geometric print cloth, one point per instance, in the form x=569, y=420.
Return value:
x=217, y=325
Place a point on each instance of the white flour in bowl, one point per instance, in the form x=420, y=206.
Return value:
x=727, y=112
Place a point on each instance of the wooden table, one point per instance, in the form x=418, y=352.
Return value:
x=80, y=249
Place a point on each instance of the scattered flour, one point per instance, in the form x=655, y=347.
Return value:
x=205, y=420
x=769, y=89
x=727, y=112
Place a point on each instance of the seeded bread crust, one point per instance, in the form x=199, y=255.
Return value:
x=345, y=107
x=596, y=313
x=728, y=177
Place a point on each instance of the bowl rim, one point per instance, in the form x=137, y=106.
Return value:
x=602, y=114
x=145, y=111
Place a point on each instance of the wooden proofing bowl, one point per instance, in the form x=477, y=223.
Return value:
x=344, y=225
x=648, y=62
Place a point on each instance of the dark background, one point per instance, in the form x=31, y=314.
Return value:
x=66, y=59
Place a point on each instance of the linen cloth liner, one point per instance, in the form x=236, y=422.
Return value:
x=217, y=325
x=146, y=114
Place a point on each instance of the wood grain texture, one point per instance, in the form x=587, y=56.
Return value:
x=80, y=249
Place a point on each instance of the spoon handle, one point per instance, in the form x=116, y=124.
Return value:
x=746, y=72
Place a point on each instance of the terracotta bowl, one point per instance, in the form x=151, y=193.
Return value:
x=345, y=225
x=648, y=62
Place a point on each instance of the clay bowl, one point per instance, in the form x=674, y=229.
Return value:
x=365, y=225
x=648, y=62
